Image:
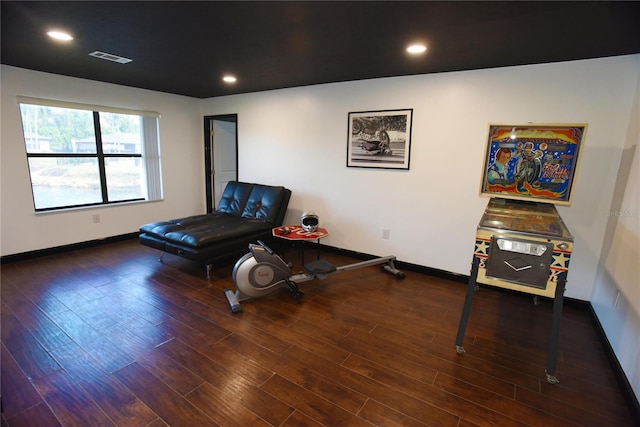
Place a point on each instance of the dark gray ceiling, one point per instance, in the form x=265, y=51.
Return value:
x=185, y=47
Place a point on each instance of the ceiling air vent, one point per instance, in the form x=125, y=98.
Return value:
x=110, y=57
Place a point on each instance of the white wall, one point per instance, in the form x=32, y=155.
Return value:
x=297, y=137
x=182, y=163
x=616, y=295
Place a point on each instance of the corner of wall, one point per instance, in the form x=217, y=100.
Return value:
x=616, y=297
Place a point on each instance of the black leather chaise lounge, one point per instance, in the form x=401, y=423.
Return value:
x=246, y=212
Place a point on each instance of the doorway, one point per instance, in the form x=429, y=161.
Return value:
x=220, y=155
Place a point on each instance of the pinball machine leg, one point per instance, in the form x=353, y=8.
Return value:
x=471, y=288
x=555, y=329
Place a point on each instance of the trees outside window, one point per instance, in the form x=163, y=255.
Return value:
x=82, y=157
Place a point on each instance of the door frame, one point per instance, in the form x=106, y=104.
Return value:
x=208, y=155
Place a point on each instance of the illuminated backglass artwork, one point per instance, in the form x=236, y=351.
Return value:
x=537, y=162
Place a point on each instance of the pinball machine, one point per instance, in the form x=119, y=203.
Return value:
x=521, y=242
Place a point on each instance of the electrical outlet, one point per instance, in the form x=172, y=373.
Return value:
x=385, y=234
x=96, y=218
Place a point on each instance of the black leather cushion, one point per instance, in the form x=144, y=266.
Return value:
x=161, y=228
x=218, y=231
x=234, y=197
x=263, y=203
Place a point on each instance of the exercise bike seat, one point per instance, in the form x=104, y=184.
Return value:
x=320, y=268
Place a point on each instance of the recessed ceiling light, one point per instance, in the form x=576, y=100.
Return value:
x=60, y=35
x=415, y=49
x=229, y=79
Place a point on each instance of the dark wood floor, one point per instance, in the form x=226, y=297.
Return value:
x=110, y=336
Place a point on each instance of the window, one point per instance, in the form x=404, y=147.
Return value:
x=82, y=155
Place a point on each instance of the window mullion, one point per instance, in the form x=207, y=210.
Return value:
x=100, y=153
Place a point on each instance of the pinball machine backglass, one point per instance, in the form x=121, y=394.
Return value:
x=532, y=162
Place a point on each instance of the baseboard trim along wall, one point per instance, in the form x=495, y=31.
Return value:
x=65, y=248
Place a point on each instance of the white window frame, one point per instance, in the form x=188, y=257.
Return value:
x=150, y=147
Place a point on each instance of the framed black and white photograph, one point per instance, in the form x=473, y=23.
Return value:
x=379, y=139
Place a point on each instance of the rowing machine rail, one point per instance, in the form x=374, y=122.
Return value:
x=262, y=271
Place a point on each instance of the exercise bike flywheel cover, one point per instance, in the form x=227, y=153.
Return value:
x=309, y=221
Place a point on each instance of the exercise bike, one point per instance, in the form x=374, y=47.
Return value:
x=261, y=272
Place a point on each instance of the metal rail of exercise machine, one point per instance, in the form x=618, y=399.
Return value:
x=261, y=271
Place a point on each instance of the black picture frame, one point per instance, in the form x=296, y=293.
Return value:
x=380, y=139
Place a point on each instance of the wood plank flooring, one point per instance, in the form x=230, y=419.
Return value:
x=109, y=336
